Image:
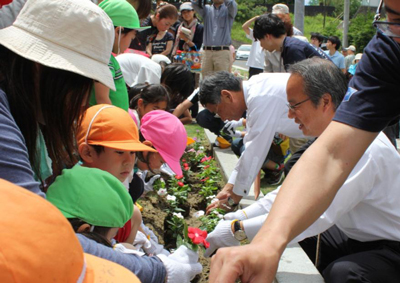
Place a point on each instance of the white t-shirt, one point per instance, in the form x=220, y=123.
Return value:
x=257, y=55
x=138, y=69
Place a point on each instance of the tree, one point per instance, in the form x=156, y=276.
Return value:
x=361, y=30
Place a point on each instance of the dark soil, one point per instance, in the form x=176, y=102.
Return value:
x=154, y=217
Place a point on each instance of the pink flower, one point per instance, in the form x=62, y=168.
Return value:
x=178, y=177
x=198, y=236
x=180, y=184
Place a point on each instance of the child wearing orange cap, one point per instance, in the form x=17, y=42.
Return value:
x=41, y=253
x=108, y=139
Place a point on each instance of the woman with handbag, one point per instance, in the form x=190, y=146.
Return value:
x=190, y=31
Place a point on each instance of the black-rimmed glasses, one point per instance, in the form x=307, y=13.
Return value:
x=387, y=28
x=294, y=106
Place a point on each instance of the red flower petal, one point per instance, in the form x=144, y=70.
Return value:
x=178, y=177
x=180, y=184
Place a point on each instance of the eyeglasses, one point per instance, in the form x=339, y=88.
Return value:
x=387, y=28
x=293, y=107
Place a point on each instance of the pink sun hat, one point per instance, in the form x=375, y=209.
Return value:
x=168, y=136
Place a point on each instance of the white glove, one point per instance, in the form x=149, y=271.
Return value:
x=148, y=187
x=141, y=241
x=182, y=266
x=222, y=236
x=149, y=232
x=155, y=249
x=231, y=126
x=235, y=215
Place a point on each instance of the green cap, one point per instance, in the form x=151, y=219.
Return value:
x=92, y=195
x=122, y=14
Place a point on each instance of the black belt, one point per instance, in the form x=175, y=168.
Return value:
x=216, y=48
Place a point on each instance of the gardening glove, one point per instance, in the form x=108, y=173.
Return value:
x=149, y=233
x=235, y=215
x=230, y=128
x=167, y=170
x=155, y=249
x=180, y=265
x=222, y=236
x=141, y=241
x=148, y=186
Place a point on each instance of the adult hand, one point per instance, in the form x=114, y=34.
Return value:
x=183, y=36
x=252, y=263
x=240, y=215
x=181, y=266
x=222, y=197
x=230, y=126
x=222, y=236
x=148, y=186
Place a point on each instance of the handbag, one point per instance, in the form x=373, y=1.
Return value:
x=192, y=59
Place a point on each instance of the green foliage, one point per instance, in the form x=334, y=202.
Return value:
x=247, y=9
x=361, y=31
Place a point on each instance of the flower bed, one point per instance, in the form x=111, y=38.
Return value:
x=180, y=201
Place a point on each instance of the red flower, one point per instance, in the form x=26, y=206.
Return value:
x=183, y=160
x=178, y=177
x=205, y=179
x=198, y=236
x=185, y=165
x=207, y=166
x=180, y=184
x=186, y=168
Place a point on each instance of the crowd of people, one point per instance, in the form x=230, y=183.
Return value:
x=93, y=107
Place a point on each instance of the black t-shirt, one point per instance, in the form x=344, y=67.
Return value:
x=158, y=46
x=373, y=98
x=139, y=43
x=296, y=50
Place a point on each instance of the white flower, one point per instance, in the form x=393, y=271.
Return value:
x=199, y=213
x=210, y=197
x=215, y=212
x=214, y=200
x=162, y=192
x=162, y=180
x=220, y=216
x=201, y=147
x=179, y=215
x=171, y=198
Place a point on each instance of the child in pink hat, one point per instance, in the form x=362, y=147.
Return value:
x=167, y=135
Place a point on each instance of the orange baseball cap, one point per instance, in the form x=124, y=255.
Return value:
x=39, y=244
x=110, y=126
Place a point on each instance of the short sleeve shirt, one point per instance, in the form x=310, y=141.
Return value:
x=337, y=59
x=373, y=98
x=119, y=97
x=158, y=46
x=296, y=50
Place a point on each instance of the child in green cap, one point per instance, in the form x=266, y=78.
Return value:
x=126, y=24
x=94, y=201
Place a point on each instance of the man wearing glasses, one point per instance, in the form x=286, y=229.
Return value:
x=372, y=104
x=360, y=230
x=264, y=99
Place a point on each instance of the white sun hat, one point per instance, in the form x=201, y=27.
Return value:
x=72, y=35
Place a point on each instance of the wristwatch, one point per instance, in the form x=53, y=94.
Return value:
x=238, y=233
x=231, y=202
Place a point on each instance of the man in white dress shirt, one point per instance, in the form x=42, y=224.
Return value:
x=264, y=99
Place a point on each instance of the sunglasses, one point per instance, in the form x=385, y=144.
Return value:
x=387, y=28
